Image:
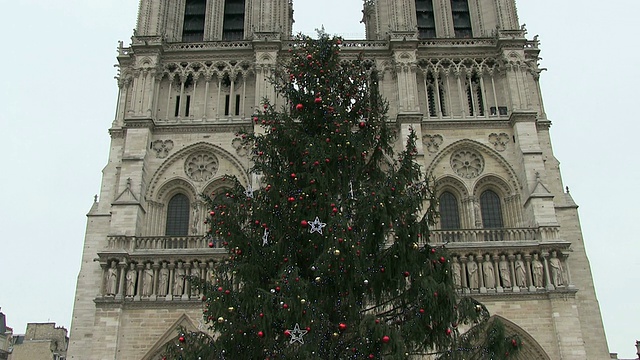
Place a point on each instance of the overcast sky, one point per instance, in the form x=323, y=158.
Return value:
x=57, y=97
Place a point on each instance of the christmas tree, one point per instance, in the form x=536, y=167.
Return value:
x=329, y=253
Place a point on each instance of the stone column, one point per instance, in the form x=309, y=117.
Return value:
x=547, y=277
x=138, y=292
x=463, y=265
x=496, y=273
x=122, y=270
x=171, y=281
x=527, y=259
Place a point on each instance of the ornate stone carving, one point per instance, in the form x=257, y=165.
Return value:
x=499, y=141
x=163, y=285
x=468, y=164
x=241, y=146
x=162, y=148
x=432, y=142
x=537, y=270
x=488, y=272
x=132, y=277
x=555, y=267
x=147, y=281
x=201, y=166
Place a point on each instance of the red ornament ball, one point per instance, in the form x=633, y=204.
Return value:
x=309, y=57
x=406, y=274
x=304, y=223
x=181, y=339
x=260, y=334
x=318, y=100
x=211, y=244
x=342, y=326
x=362, y=124
x=514, y=343
x=448, y=331
x=442, y=259
x=299, y=107
x=385, y=339
x=287, y=333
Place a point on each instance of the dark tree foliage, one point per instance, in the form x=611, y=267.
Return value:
x=328, y=257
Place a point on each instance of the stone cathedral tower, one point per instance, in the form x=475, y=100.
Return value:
x=462, y=73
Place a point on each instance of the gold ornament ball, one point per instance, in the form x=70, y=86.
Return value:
x=336, y=252
x=220, y=319
x=318, y=279
x=231, y=309
x=303, y=301
x=335, y=334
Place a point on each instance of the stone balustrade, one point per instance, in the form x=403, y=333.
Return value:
x=490, y=235
x=133, y=244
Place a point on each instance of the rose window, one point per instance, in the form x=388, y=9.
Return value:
x=467, y=163
x=201, y=167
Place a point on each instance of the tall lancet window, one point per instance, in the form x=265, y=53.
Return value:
x=194, y=16
x=461, y=18
x=178, y=216
x=491, y=210
x=426, y=19
x=233, y=26
x=475, y=98
x=449, y=215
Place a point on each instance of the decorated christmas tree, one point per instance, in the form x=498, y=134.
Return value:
x=328, y=251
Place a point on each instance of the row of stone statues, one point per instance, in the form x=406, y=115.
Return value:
x=150, y=280
x=507, y=272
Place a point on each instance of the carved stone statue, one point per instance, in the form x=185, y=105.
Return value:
x=477, y=214
x=538, y=271
x=489, y=273
x=521, y=272
x=194, y=273
x=505, y=276
x=163, y=285
x=555, y=267
x=472, y=269
x=112, y=279
x=132, y=276
x=147, y=279
x=178, y=280
x=455, y=269
x=211, y=273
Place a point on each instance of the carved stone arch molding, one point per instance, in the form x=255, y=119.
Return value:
x=174, y=186
x=173, y=168
x=171, y=333
x=441, y=163
x=530, y=348
x=452, y=184
x=492, y=182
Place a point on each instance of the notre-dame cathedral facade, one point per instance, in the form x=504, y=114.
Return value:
x=461, y=73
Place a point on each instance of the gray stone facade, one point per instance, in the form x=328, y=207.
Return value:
x=470, y=90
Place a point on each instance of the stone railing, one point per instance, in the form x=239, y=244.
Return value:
x=515, y=270
x=216, y=120
x=458, y=42
x=209, y=45
x=132, y=244
x=484, y=235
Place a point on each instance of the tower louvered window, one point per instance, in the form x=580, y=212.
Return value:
x=475, y=98
x=491, y=210
x=194, y=17
x=461, y=18
x=449, y=214
x=435, y=96
x=178, y=216
x=426, y=19
x=233, y=26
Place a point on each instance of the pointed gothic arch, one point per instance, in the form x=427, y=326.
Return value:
x=170, y=335
x=509, y=172
x=159, y=178
x=530, y=349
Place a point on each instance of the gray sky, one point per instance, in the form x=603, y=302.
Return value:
x=58, y=100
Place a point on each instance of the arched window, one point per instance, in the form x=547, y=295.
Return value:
x=491, y=210
x=449, y=215
x=178, y=216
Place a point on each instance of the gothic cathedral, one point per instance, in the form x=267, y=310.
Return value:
x=462, y=73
